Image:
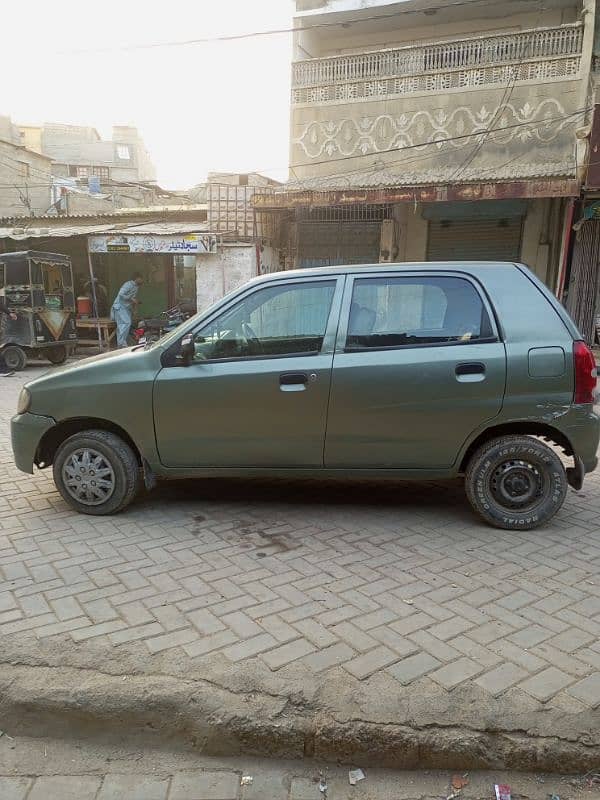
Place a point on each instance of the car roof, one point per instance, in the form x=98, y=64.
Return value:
x=408, y=266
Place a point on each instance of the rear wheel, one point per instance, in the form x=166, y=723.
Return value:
x=14, y=357
x=516, y=482
x=96, y=472
x=56, y=355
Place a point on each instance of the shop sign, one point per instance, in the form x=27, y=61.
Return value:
x=185, y=244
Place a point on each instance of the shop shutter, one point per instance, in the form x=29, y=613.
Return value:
x=585, y=279
x=475, y=239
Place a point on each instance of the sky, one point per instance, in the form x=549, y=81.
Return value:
x=217, y=106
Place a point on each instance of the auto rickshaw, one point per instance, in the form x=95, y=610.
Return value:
x=38, y=288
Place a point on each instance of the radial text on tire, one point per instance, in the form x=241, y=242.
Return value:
x=516, y=482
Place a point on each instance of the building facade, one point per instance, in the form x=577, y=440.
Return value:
x=428, y=131
x=25, y=175
x=120, y=168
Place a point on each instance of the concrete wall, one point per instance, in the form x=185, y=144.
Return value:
x=22, y=193
x=220, y=273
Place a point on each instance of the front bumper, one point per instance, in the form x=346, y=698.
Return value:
x=26, y=431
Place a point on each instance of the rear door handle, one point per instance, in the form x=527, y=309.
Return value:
x=470, y=372
x=291, y=378
x=293, y=381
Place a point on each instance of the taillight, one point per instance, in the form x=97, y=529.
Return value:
x=585, y=373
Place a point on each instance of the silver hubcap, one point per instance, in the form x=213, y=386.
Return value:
x=88, y=477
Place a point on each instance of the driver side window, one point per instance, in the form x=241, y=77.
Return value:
x=273, y=321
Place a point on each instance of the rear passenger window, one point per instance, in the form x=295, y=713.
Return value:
x=396, y=312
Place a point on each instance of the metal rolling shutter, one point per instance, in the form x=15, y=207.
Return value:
x=585, y=279
x=475, y=239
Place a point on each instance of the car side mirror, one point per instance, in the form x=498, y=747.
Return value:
x=187, y=350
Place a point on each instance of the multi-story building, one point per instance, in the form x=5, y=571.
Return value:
x=119, y=168
x=423, y=130
x=25, y=176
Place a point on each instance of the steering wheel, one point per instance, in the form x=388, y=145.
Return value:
x=250, y=336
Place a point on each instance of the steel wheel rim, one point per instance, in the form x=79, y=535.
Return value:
x=88, y=477
x=517, y=485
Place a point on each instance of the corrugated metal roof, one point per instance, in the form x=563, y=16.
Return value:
x=157, y=228
x=134, y=211
x=379, y=178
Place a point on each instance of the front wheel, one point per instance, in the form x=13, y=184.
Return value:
x=516, y=482
x=14, y=357
x=96, y=472
x=56, y=355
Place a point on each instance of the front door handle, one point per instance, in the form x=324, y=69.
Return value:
x=470, y=368
x=293, y=378
x=470, y=372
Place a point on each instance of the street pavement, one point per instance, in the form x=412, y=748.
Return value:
x=50, y=769
x=309, y=579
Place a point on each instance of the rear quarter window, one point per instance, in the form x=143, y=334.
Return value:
x=404, y=311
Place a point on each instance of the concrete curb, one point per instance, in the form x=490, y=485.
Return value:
x=84, y=703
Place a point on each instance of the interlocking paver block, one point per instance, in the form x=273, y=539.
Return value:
x=571, y=640
x=291, y=651
x=413, y=667
x=329, y=657
x=459, y=671
x=587, y=690
x=316, y=633
x=205, y=621
x=530, y=636
x=241, y=625
x=66, y=787
x=250, y=647
x=14, y=788
x=450, y=628
x=501, y=678
x=546, y=684
x=368, y=663
x=205, y=786
x=133, y=787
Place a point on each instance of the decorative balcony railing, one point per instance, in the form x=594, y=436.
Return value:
x=540, y=54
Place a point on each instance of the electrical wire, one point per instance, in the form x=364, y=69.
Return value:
x=506, y=97
x=533, y=125
x=272, y=32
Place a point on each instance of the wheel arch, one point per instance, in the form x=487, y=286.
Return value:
x=53, y=438
x=521, y=428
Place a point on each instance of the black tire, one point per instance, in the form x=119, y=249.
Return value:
x=125, y=474
x=516, y=482
x=56, y=355
x=15, y=357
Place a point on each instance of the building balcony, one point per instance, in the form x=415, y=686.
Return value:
x=539, y=56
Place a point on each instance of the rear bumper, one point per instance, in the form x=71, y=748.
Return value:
x=581, y=426
x=26, y=431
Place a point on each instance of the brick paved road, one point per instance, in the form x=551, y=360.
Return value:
x=366, y=578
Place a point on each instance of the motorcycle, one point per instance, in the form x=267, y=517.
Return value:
x=152, y=328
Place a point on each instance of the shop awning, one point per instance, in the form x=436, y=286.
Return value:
x=21, y=232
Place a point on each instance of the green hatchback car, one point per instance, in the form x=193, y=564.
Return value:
x=405, y=371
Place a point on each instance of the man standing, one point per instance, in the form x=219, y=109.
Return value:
x=122, y=308
x=5, y=312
